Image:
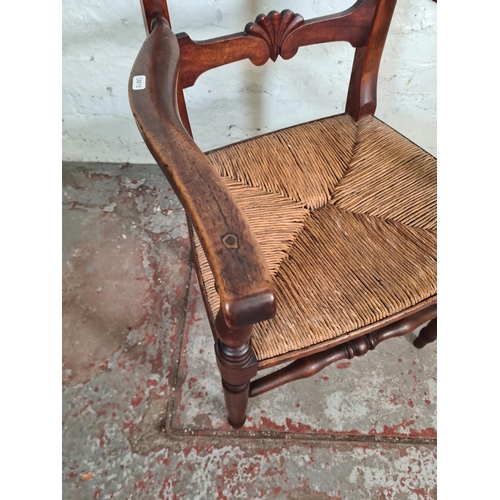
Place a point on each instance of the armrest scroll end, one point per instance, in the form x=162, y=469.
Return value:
x=251, y=309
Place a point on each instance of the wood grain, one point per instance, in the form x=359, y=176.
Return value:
x=240, y=271
x=272, y=35
x=362, y=93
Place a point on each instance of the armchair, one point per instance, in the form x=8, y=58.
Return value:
x=313, y=243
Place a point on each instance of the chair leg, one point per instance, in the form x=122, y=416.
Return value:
x=427, y=335
x=236, y=398
x=238, y=365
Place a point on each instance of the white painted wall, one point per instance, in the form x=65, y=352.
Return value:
x=102, y=37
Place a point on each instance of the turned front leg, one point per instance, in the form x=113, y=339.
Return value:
x=238, y=365
x=427, y=335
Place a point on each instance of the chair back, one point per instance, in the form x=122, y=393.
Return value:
x=280, y=34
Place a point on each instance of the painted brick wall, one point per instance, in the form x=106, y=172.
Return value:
x=102, y=38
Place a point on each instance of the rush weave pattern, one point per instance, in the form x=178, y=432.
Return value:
x=345, y=213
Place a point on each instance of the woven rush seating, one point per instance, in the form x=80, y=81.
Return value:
x=345, y=213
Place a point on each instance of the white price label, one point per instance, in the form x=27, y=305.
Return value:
x=139, y=82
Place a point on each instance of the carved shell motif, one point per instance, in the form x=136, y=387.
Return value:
x=274, y=28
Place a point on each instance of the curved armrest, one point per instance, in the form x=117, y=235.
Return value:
x=240, y=271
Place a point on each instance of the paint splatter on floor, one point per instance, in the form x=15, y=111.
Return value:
x=143, y=413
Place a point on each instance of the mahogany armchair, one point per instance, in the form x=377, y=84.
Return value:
x=314, y=243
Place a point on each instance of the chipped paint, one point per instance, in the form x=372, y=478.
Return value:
x=143, y=412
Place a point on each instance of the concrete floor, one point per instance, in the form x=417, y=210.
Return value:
x=143, y=413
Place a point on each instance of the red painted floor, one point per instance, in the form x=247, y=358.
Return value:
x=143, y=413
